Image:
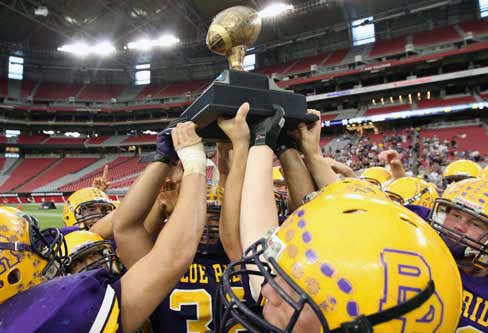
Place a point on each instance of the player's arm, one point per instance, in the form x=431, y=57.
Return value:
x=104, y=226
x=238, y=132
x=297, y=176
x=309, y=142
x=150, y=279
x=133, y=240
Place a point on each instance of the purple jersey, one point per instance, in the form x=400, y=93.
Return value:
x=474, y=317
x=188, y=307
x=68, y=230
x=84, y=302
x=421, y=211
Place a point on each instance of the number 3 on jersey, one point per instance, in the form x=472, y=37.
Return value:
x=202, y=301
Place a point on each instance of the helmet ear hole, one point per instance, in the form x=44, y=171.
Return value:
x=1, y=284
x=408, y=221
x=14, y=276
x=354, y=211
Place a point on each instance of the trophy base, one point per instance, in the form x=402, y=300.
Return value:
x=232, y=88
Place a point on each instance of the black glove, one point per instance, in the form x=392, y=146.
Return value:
x=285, y=142
x=268, y=130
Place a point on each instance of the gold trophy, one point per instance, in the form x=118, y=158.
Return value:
x=231, y=32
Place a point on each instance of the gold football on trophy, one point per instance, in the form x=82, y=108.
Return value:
x=232, y=31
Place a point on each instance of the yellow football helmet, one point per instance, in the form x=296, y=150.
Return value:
x=485, y=172
x=354, y=185
x=359, y=262
x=412, y=191
x=469, y=196
x=377, y=176
x=84, y=245
x=28, y=256
x=92, y=199
x=459, y=170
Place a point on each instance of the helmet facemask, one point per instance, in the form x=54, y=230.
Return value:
x=106, y=258
x=259, y=261
x=85, y=220
x=466, y=250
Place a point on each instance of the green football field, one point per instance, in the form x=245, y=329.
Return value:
x=47, y=217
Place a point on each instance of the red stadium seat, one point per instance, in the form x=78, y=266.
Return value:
x=303, y=65
x=478, y=27
x=56, y=91
x=140, y=138
x=97, y=140
x=468, y=138
x=26, y=88
x=183, y=88
x=64, y=141
x=336, y=57
x=26, y=170
x=100, y=93
x=430, y=103
x=436, y=36
x=149, y=91
x=387, y=109
x=62, y=168
x=388, y=47
x=3, y=87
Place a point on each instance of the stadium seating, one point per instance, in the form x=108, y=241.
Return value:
x=436, y=36
x=64, y=141
x=336, y=57
x=26, y=88
x=97, y=140
x=62, y=168
x=56, y=91
x=140, y=138
x=478, y=27
x=149, y=91
x=3, y=87
x=100, y=93
x=27, y=169
x=431, y=103
x=183, y=88
x=303, y=65
x=388, y=47
x=278, y=68
x=30, y=139
x=387, y=109
x=468, y=138
x=119, y=168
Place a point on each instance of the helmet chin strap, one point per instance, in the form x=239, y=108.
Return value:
x=364, y=324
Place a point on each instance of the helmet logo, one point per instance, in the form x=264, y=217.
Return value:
x=406, y=275
x=7, y=263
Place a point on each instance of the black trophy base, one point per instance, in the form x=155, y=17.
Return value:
x=232, y=88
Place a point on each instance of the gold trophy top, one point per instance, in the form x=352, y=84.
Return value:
x=232, y=31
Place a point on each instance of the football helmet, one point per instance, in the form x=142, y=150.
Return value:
x=459, y=170
x=359, y=262
x=469, y=196
x=81, y=200
x=412, y=191
x=378, y=176
x=84, y=244
x=28, y=256
x=485, y=172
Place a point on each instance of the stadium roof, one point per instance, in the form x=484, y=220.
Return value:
x=47, y=24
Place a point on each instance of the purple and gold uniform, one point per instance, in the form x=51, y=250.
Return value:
x=474, y=317
x=189, y=306
x=84, y=302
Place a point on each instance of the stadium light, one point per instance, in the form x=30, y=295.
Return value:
x=82, y=49
x=274, y=10
x=145, y=44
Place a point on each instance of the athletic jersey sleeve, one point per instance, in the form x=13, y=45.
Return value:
x=84, y=302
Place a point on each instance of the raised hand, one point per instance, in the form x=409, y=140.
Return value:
x=236, y=128
x=102, y=183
